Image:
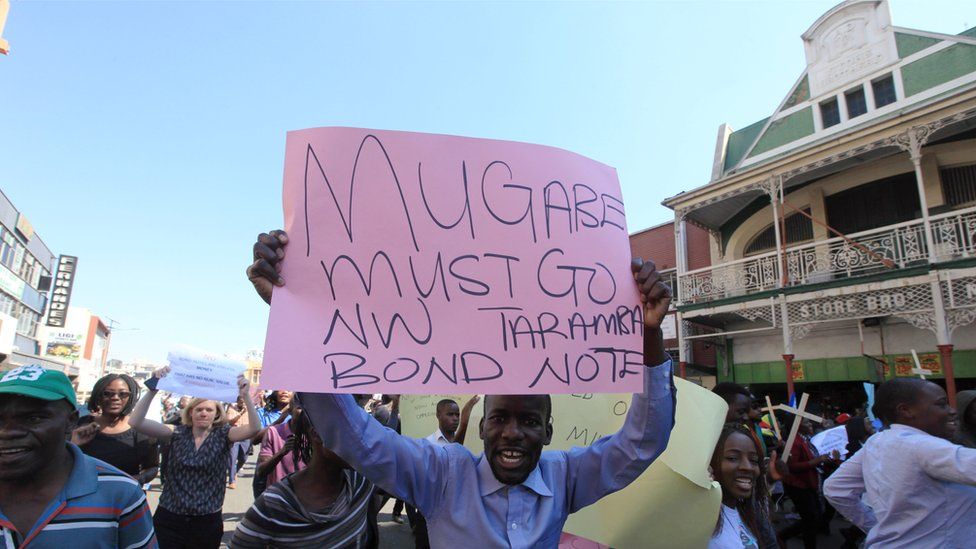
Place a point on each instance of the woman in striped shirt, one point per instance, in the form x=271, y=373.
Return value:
x=327, y=504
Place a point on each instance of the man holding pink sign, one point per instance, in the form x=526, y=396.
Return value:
x=525, y=293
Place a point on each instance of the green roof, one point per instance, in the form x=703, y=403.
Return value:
x=920, y=75
x=912, y=43
x=785, y=130
x=739, y=143
x=799, y=94
x=938, y=68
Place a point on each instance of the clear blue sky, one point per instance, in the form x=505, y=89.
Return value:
x=148, y=138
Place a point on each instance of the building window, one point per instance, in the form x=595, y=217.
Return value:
x=26, y=321
x=27, y=268
x=856, y=104
x=884, y=91
x=799, y=228
x=7, y=304
x=876, y=204
x=959, y=185
x=829, y=113
x=8, y=248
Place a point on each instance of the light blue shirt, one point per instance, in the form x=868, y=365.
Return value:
x=268, y=417
x=463, y=502
x=919, y=491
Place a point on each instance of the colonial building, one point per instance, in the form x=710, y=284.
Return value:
x=842, y=228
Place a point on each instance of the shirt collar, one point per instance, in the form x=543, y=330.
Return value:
x=908, y=428
x=489, y=484
x=438, y=435
x=84, y=476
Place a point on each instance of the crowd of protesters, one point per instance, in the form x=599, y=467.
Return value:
x=905, y=479
x=327, y=463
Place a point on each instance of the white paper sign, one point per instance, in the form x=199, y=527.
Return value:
x=832, y=439
x=199, y=374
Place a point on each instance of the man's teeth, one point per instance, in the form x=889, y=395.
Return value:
x=511, y=456
x=5, y=451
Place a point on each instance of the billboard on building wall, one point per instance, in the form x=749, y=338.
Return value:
x=64, y=281
x=24, y=227
x=64, y=345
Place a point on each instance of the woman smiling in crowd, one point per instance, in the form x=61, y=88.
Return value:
x=107, y=435
x=737, y=465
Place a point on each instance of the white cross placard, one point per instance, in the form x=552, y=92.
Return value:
x=799, y=414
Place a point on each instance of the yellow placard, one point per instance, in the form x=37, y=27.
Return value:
x=931, y=362
x=670, y=506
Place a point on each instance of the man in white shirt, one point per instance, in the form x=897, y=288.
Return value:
x=919, y=488
x=448, y=418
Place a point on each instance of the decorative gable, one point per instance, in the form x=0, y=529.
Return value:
x=849, y=42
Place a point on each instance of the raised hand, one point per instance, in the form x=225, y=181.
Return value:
x=471, y=402
x=654, y=294
x=269, y=250
x=243, y=386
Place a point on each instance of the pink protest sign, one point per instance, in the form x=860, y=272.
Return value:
x=425, y=263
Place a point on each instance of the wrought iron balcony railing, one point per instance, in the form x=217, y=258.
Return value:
x=868, y=252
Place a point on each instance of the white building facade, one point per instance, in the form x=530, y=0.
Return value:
x=843, y=227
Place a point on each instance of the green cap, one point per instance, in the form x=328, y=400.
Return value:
x=37, y=382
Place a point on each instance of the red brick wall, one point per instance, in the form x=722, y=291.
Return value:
x=658, y=244
x=698, y=253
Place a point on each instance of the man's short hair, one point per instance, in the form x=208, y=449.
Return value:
x=893, y=393
x=443, y=403
x=727, y=390
x=547, y=416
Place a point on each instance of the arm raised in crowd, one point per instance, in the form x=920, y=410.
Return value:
x=462, y=429
x=145, y=426
x=244, y=432
x=614, y=461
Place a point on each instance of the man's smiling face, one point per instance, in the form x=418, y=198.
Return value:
x=32, y=432
x=515, y=428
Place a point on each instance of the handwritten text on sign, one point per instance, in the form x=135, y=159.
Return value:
x=426, y=263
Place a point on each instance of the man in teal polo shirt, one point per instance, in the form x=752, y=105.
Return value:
x=51, y=494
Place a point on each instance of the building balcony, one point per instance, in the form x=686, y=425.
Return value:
x=871, y=252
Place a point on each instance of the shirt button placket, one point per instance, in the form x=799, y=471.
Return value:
x=515, y=504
